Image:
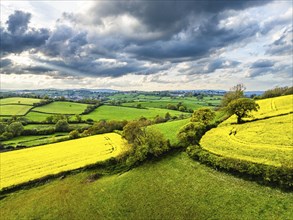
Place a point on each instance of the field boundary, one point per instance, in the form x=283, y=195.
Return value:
x=281, y=177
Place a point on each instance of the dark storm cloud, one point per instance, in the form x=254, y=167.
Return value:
x=166, y=16
x=178, y=30
x=5, y=62
x=196, y=43
x=262, y=64
x=264, y=67
x=19, y=37
x=18, y=22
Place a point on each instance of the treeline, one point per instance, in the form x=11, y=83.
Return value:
x=278, y=91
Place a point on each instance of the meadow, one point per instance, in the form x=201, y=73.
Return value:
x=10, y=110
x=267, y=140
x=119, y=113
x=37, y=116
x=170, y=129
x=162, y=102
x=19, y=100
x=57, y=107
x=21, y=166
x=175, y=187
x=34, y=140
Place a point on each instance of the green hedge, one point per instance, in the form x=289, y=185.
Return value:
x=270, y=175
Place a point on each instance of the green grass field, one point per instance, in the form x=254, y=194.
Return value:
x=46, y=126
x=34, y=140
x=32, y=163
x=19, y=100
x=14, y=109
x=170, y=129
x=107, y=112
x=267, y=140
x=190, y=102
x=37, y=116
x=175, y=187
x=62, y=108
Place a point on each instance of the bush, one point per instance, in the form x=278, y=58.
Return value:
x=62, y=125
x=74, y=134
x=191, y=133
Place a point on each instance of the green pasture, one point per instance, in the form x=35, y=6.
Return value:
x=107, y=112
x=176, y=187
x=62, y=108
x=46, y=126
x=34, y=140
x=170, y=129
x=37, y=116
x=14, y=109
x=19, y=100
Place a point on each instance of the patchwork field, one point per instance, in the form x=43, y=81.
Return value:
x=34, y=140
x=62, y=108
x=19, y=100
x=170, y=129
x=32, y=163
x=176, y=187
x=14, y=109
x=268, y=141
x=107, y=112
x=37, y=116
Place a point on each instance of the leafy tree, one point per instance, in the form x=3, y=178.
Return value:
x=49, y=119
x=182, y=108
x=78, y=118
x=133, y=133
x=156, y=142
x=2, y=128
x=191, y=133
x=242, y=108
x=171, y=106
x=62, y=125
x=152, y=143
x=167, y=116
x=16, y=128
x=138, y=105
x=203, y=115
x=235, y=92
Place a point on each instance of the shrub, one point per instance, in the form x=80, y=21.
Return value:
x=74, y=134
x=191, y=133
x=62, y=125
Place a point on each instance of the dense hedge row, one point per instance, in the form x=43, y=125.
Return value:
x=270, y=175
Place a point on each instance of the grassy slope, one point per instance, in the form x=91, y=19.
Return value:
x=37, y=116
x=176, y=187
x=124, y=113
x=170, y=129
x=14, y=109
x=32, y=163
x=19, y=100
x=267, y=141
x=62, y=108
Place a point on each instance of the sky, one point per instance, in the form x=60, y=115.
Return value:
x=146, y=45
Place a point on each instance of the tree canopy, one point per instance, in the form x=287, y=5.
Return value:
x=242, y=108
x=235, y=92
x=203, y=115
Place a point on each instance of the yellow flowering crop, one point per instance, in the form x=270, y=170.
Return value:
x=32, y=163
x=267, y=140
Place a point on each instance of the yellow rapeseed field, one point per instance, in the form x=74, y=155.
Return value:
x=32, y=163
x=268, y=141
